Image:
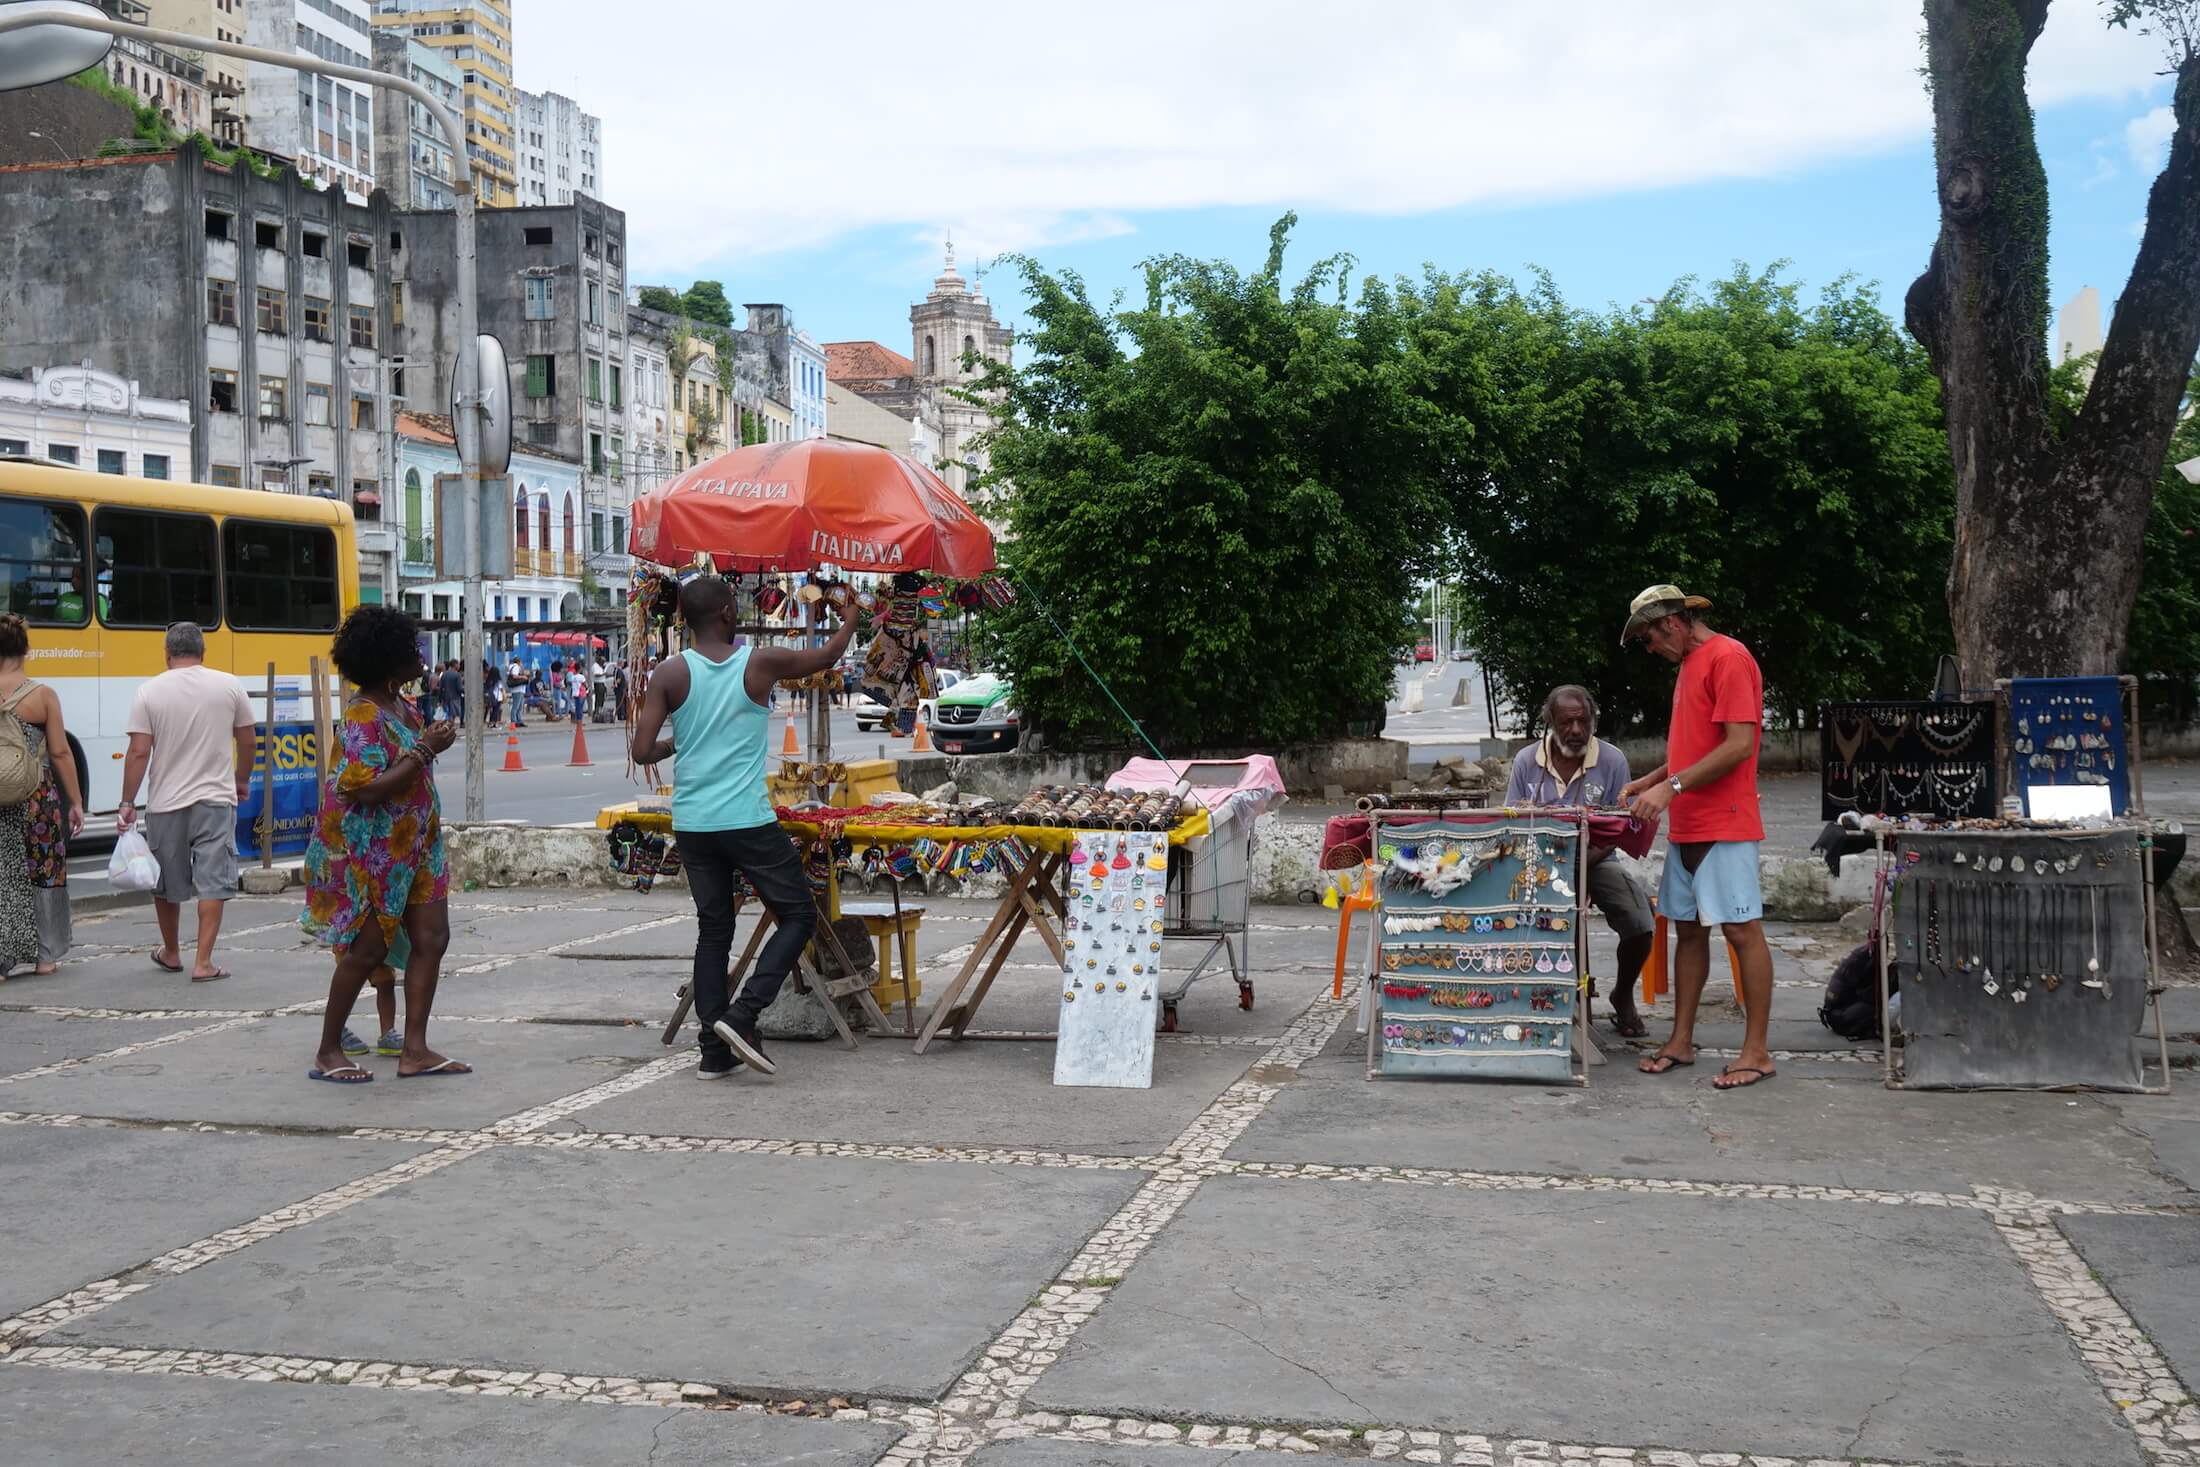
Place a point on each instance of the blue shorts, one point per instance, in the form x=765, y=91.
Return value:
x=1723, y=888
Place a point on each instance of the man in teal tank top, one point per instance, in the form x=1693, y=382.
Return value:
x=716, y=697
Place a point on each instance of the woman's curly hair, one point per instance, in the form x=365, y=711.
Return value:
x=375, y=644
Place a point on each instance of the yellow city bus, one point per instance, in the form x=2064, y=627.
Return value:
x=101, y=566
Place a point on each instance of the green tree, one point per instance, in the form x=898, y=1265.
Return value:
x=660, y=298
x=2165, y=621
x=1221, y=495
x=706, y=302
x=1785, y=461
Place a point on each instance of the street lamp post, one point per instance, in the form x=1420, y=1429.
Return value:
x=51, y=56
x=52, y=143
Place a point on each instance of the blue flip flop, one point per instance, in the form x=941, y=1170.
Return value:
x=342, y=1075
x=448, y=1067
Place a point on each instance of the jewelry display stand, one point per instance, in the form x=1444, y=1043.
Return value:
x=1905, y=757
x=2026, y=958
x=1481, y=962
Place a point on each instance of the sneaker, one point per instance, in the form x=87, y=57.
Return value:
x=352, y=1043
x=717, y=1067
x=392, y=1043
x=746, y=1044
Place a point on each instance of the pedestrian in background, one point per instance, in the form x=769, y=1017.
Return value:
x=1709, y=783
x=375, y=868
x=515, y=678
x=193, y=726
x=34, y=857
x=452, y=686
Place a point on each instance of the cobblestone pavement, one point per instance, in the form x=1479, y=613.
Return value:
x=942, y=1259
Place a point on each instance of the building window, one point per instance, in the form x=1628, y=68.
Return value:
x=274, y=400
x=217, y=224
x=618, y=457
x=269, y=312
x=538, y=235
x=595, y=304
x=321, y=486
x=113, y=461
x=314, y=245
x=366, y=500
x=618, y=534
x=519, y=520
x=595, y=453
x=397, y=303
x=362, y=411
x=156, y=466
x=538, y=299
x=362, y=327
x=360, y=254
x=416, y=543
x=542, y=376
x=317, y=405
x=320, y=323
x=267, y=235
x=595, y=379
x=221, y=302
x=158, y=568
x=931, y=358
x=616, y=393
x=224, y=476
x=588, y=242
x=612, y=252
x=15, y=448
x=565, y=532
x=595, y=531
x=221, y=391
x=543, y=435
x=61, y=453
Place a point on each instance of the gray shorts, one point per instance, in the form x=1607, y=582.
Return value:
x=1621, y=898
x=197, y=850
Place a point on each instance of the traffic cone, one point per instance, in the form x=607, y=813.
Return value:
x=580, y=745
x=511, y=754
x=788, y=746
x=923, y=745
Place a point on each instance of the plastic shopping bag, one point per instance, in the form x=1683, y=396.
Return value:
x=133, y=866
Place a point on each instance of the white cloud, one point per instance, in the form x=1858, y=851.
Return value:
x=2147, y=138
x=737, y=130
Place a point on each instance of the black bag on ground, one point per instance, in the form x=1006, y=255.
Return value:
x=1851, y=1009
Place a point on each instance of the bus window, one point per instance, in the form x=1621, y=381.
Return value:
x=42, y=571
x=280, y=578
x=155, y=569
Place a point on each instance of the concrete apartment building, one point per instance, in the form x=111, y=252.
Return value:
x=653, y=436
x=560, y=149
x=413, y=161
x=172, y=84
x=553, y=291
x=217, y=20
x=477, y=36
x=324, y=126
x=91, y=419
x=265, y=302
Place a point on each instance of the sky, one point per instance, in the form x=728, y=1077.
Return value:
x=819, y=155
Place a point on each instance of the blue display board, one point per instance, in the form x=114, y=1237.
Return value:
x=2070, y=730
x=291, y=756
x=1480, y=964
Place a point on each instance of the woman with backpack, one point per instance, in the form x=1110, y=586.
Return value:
x=35, y=825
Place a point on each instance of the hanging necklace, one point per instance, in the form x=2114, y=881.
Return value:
x=1849, y=731
x=1947, y=732
x=2093, y=978
x=1952, y=792
x=1902, y=801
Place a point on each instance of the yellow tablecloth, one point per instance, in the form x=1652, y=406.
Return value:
x=866, y=832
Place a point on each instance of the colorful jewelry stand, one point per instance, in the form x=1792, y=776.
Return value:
x=1443, y=1001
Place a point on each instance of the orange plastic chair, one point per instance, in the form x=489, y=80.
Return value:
x=1362, y=900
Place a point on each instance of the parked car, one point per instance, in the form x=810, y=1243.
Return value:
x=1424, y=651
x=928, y=709
x=1461, y=654
x=872, y=714
x=978, y=716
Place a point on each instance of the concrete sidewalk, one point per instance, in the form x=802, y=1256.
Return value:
x=884, y=1257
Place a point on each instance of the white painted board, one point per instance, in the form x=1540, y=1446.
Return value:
x=1111, y=986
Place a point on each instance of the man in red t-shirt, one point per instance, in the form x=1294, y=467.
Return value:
x=1709, y=783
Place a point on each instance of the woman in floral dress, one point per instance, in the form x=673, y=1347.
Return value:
x=34, y=858
x=376, y=865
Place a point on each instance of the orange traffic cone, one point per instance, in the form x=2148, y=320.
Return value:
x=923, y=745
x=511, y=755
x=788, y=746
x=580, y=745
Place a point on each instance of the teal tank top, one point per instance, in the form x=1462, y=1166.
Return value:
x=719, y=737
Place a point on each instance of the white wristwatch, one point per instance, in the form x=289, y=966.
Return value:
x=1676, y=786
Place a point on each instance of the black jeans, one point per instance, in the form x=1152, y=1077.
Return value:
x=765, y=855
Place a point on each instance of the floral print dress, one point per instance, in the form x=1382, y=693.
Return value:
x=370, y=862
x=34, y=871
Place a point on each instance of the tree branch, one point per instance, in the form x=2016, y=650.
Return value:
x=2132, y=406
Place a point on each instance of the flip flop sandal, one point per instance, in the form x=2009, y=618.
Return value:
x=342, y=1075
x=1666, y=1064
x=1620, y=1026
x=1760, y=1077
x=166, y=967
x=214, y=977
x=448, y=1067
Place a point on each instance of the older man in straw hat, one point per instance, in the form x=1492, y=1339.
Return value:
x=1709, y=784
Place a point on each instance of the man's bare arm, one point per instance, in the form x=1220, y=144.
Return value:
x=668, y=687
x=770, y=665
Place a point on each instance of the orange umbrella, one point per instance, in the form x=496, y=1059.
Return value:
x=798, y=506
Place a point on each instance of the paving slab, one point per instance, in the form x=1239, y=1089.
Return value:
x=980, y=1092
x=2169, y=1124
x=1797, y=1329
x=803, y=1274
x=255, y=1074
x=30, y=1040
x=1036, y=1452
x=569, y=990
x=2152, y=1266
x=126, y=979
x=81, y=1203
x=84, y=1416
x=1823, y=1124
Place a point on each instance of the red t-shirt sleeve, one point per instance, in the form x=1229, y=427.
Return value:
x=1737, y=696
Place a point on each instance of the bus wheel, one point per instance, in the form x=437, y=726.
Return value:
x=83, y=768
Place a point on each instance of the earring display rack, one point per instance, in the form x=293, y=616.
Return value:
x=2026, y=959
x=1907, y=757
x=1480, y=962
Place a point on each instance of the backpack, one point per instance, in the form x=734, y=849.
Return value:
x=21, y=771
x=1851, y=1008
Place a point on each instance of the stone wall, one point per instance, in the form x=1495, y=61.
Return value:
x=1359, y=766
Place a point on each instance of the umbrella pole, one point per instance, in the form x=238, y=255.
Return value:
x=821, y=720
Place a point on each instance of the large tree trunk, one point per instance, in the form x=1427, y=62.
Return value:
x=2048, y=524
